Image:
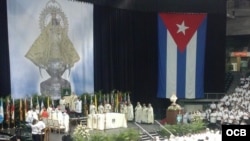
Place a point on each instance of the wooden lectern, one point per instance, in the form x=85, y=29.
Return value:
x=173, y=110
x=171, y=115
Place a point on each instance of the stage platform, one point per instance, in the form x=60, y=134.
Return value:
x=58, y=137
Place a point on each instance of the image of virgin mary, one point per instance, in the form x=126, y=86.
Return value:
x=53, y=51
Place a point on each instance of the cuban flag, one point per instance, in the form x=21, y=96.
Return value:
x=181, y=43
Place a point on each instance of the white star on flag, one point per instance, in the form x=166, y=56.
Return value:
x=182, y=28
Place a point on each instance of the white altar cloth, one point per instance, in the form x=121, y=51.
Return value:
x=106, y=121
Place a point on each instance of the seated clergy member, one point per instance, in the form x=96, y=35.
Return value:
x=50, y=110
x=100, y=109
x=92, y=108
x=44, y=113
x=107, y=107
x=60, y=116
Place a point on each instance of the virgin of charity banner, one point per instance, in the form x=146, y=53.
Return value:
x=27, y=19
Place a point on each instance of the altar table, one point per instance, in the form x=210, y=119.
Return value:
x=106, y=121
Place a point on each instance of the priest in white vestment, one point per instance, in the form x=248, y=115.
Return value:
x=78, y=108
x=150, y=114
x=62, y=103
x=121, y=107
x=66, y=121
x=54, y=115
x=130, y=113
x=60, y=117
x=125, y=110
x=72, y=105
x=107, y=107
x=144, y=114
x=100, y=109
x=49, y=110
x=34, y=114
x=29, y=116
x=92, y=108
x=138, y=113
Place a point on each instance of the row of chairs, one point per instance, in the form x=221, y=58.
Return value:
x=54, y=125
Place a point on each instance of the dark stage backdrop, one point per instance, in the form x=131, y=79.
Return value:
x=4, y=52
x=125, y=47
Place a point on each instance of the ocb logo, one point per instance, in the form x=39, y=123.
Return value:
x=236, y=132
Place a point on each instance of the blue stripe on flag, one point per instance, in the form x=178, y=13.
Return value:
x=162, y=36
x=201, y=40
x=181, y=74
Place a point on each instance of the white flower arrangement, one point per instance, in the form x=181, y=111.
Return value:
x=81, y=133
x=197, y=118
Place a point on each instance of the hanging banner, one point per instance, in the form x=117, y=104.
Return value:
x=181, y=44
x=51, y=47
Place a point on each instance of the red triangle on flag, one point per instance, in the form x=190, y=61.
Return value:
x=182, y=26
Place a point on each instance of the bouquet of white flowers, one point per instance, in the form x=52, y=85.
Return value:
x=81, y=133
